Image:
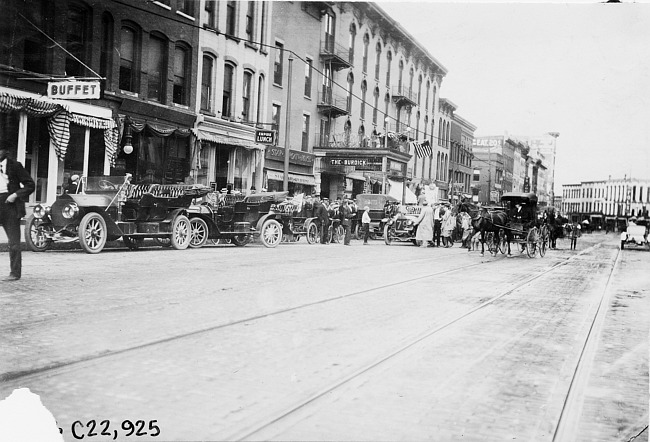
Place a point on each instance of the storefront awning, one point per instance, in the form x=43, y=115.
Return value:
x=204, y=135
x=293, y=177
x=356, y=176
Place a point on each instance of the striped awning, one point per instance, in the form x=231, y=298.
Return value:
x=204, y=135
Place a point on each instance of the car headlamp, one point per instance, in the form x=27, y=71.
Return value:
x=41, y=210
x=70, y=210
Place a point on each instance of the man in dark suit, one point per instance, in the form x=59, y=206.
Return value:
x=15, y=186
x=321, y=213
x=345, y=213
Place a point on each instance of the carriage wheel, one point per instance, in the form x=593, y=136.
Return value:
x=199, y=232
x=543, y=241
x=312, y=232
x=338, y=234
x=503, y=242
x=387, y=234
x=271, y=233
x=531, y=242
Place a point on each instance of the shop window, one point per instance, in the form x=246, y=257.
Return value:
x=181, y=75
x=77, y=40
x=129, y=48
x=157, y=68
x=226, y=102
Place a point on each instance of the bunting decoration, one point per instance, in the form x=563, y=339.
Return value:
x=422, y=149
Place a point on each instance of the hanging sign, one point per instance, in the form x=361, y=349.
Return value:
x=73, y=90
x=265, y=137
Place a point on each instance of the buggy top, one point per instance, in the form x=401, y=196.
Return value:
x=519, y=197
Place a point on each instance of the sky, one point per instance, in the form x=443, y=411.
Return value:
x=581, y=69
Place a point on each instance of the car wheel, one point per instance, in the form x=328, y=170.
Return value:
x=387, y=233
x=132, y=243
x=312, y=232
x=92, y=233
x=357, y=231
x=241, y=240
x=271, y=233
x=36, y=234
x=200, y=232
x=181, y=232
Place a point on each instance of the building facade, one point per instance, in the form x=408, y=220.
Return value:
x=81, y=80
x=461, y=172
x=361, y=90
x=606, y=203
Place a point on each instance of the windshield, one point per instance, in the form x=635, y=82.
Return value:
x=102, y=184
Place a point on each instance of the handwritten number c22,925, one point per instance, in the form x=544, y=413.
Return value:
x=127, y=427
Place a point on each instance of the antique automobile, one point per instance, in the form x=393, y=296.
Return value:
x=400, y=225
x=109, y=208
x=239, y=222
x=636, y=234
x=378, y=205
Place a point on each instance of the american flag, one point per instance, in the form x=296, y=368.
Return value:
x=422, y=149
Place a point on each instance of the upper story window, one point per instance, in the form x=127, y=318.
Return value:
x=366, y=42
x=260, y=91
x=250, y=21
x=426, y=97
x=275, y=117
x=246, y=95
x=181, y=75
x=419, y=89
x=187, y=7
x=129, y=49
x=106, y=57
x=349, y=97
x=364, y=90
x=156, y=68
x=305, y=132
x=207, y=78
x=401, y=74
x=226, y=102
x=376, y=106
x=211, y=13
x=411, y=74
x=231, y=18
x=308, y=77
x=278, y=64
x=329, y=32
x=353, y=37
x=263, y=23
x=389, y=59
x=78, y=40
x=377, y=60
x=31, y=52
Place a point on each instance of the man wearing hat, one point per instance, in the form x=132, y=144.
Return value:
x=15, y=186
x=321, y=213
x=365, y=221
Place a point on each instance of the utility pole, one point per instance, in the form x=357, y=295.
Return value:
x=554, y=135
x=287, y=143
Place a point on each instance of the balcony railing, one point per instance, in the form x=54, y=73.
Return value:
x=331, y=104
x=334, y=54
x=402, y=96
x=351, y=140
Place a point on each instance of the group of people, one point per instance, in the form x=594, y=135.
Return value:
x=435, y=225
x=343, y=209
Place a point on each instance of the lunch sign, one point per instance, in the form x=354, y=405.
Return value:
x=265, y=137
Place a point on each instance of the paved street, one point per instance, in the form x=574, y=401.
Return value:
x=330, y=342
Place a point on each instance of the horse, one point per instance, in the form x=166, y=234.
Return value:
x=554, y=229
x=485, y=221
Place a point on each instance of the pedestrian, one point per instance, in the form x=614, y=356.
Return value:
x=365, y=221
x=15, y=186
x=424, y=223
x=320, y=212
x=466, y=227
x=448, y=225
x=437, y=226
x=574, y=234
x=345, y=214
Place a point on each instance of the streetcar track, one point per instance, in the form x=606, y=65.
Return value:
x=288, y=412
x=22, y=374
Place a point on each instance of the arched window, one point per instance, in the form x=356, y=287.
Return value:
x=260, y=97
x=129, y=50
x=207, y=81
x=419, y=89
x=438, y=166
x=377, y=60
x=347, y=130
x=156, y=68
x=366, y=42
x=349, y=97
x=411, y=74
x=364, y=90
x=106, y=57
x=353, y=36
x=440, y=132
x=401, y=74
x=182, y=64
x=389, y=59
x=362, y=136
x=78, y=39
x=247, y=86
x=329, y=32
x=426, y=97
x=374, y=110
x=386, y=102
x=228, y=80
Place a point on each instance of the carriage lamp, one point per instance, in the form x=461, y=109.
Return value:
x=40, y=211
x=128, y=136
x=70, y=210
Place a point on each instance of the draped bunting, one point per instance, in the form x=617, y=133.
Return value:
x=111, y=141
x=94, y=122
x=59, y=127
x=31, y=106
x=159, y=129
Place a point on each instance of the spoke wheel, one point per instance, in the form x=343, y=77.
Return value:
x=200, y=233
x=36, y=234
x=503, y=242
x=531, y=242
x=543, y=241
x=387, y=234
x=339, y=233
x=181, y=232
x=241, y=240
x=271, y=233
x=489, y=240
x=312, y=233
x=92, y=233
